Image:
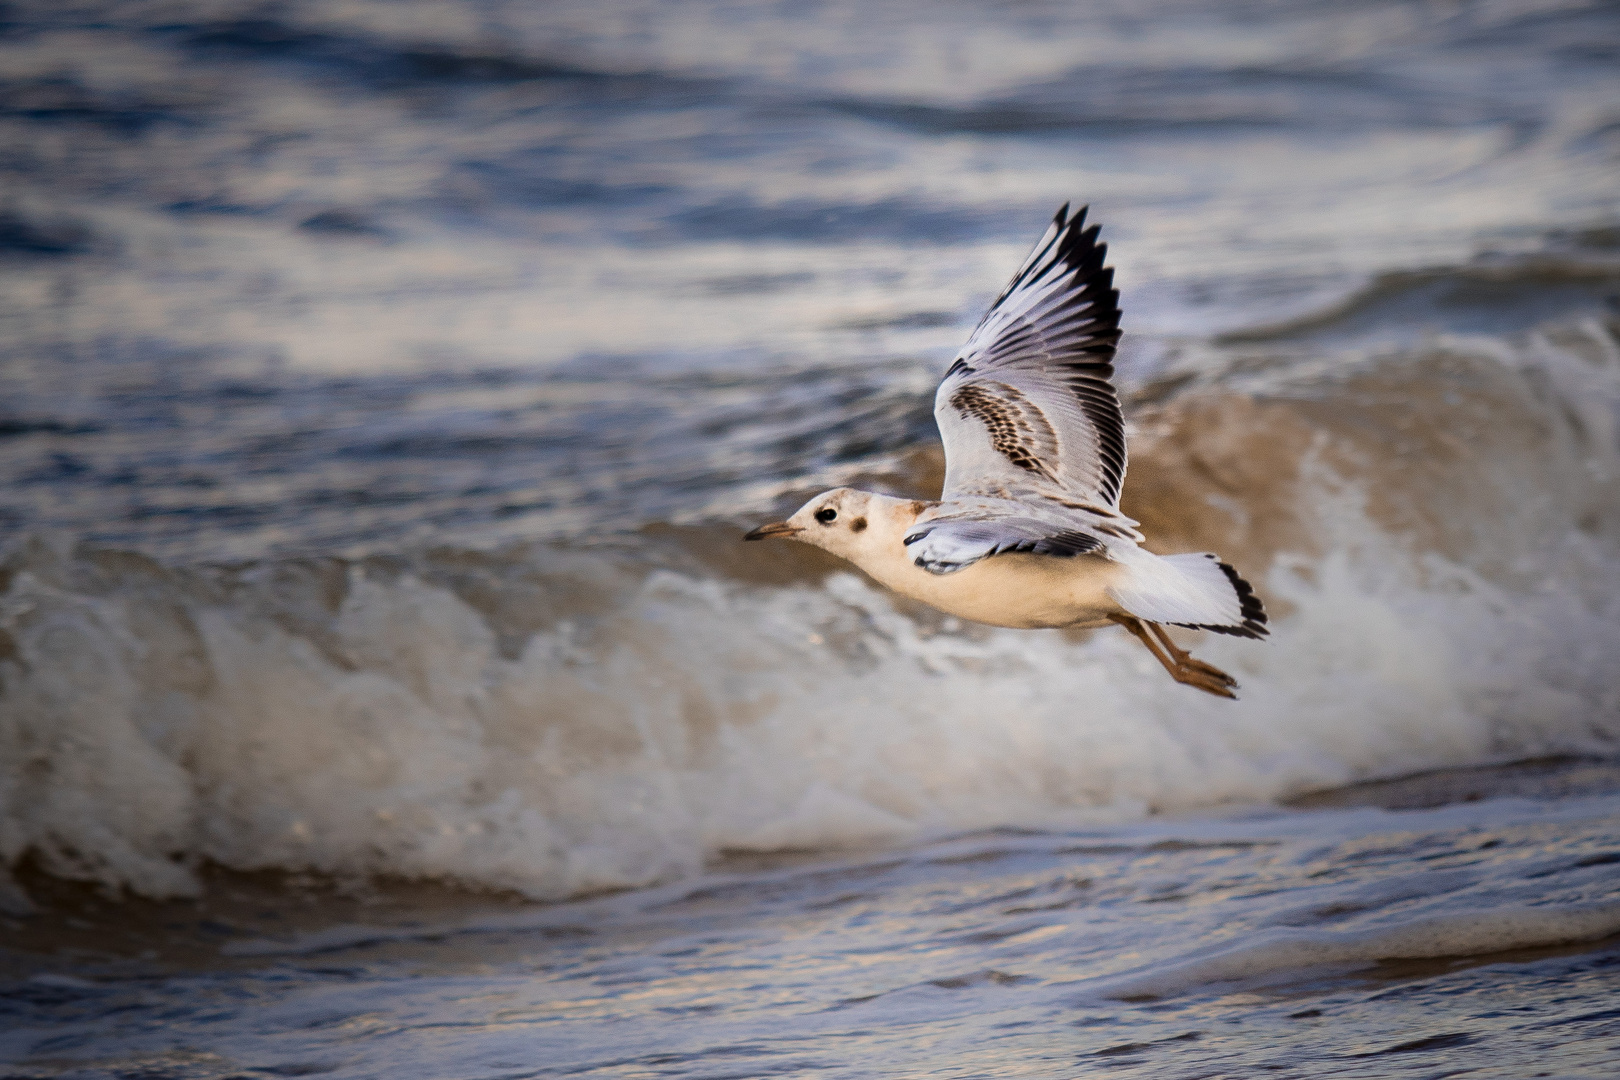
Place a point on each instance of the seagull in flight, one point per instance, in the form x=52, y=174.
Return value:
x=1027, y=532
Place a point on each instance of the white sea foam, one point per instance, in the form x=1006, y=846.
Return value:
x=702, y=717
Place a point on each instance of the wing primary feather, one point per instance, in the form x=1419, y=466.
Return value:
x=1062, y=226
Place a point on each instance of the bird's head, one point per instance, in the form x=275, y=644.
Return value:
x=837, y=520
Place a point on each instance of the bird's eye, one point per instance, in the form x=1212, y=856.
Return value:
x=826, y=515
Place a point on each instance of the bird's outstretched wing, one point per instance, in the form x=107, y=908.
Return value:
x=1034, y=437
x=1028, y=403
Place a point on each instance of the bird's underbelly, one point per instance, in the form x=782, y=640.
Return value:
x=1020, y=591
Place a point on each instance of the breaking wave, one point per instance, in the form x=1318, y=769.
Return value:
x=1436, y=531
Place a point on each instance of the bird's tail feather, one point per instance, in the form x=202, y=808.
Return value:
x=1197, y=591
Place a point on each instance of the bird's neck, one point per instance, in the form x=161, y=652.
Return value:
x=880, y=548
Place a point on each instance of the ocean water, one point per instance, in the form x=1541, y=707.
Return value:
x=384, y=690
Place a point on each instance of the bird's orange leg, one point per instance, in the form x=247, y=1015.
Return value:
x=1178, y=662
x=1183, y=657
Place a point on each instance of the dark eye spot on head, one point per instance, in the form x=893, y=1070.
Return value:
x=857, y=525
x=826, y=515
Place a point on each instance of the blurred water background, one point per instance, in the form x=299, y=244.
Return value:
x=384, y=692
